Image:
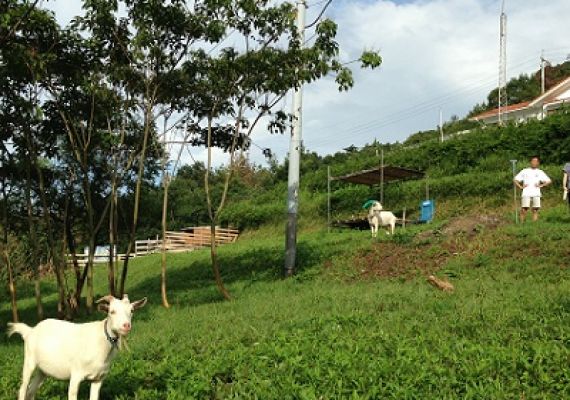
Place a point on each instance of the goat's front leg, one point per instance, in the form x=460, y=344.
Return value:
x=73, y=387
x=95, y=388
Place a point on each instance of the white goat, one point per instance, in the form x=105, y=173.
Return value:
x=74, y=352
x=377, y=217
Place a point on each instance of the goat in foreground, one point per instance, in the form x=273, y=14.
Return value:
x=74, y=352
x=377, y=217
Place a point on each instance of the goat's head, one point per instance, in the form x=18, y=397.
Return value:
x=377, y=206
x=119, y=312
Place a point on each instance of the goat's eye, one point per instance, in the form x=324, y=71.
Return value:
x=112, y=312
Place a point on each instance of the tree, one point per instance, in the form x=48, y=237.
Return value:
x=234, y=89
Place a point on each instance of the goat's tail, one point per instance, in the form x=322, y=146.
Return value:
x=22, y=329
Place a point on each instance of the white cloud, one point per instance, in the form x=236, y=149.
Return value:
x=440, y=53
x=437, y=53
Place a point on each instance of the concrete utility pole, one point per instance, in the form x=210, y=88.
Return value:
x=441, y=124
x=294, y=160
x=329, y=198
x=382, y=175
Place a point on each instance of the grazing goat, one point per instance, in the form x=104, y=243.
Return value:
x=377, y=217
x=74, y=352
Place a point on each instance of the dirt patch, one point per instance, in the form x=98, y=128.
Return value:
x=429, y=251
x=390, y=260
x=469, y=225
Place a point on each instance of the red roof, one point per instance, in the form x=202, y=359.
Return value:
x=507, y=109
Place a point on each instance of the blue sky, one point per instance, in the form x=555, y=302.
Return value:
x=437, y=54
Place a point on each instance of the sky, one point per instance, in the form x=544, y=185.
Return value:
x=437, y=54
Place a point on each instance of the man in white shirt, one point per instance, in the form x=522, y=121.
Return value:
x=530, y=180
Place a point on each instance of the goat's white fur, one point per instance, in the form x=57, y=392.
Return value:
x=377, y=217
x=74, y=352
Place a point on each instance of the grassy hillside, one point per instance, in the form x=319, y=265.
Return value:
x=469, y=167
x=358, y=321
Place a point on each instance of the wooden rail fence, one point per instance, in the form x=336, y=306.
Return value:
x=186, y=240
x=98, y=259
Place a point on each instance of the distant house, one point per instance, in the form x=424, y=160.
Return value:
x=534, y=109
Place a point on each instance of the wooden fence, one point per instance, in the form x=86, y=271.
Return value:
x=186, y=240
x=98, y=259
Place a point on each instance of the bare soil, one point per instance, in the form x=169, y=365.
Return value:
x=429, y=250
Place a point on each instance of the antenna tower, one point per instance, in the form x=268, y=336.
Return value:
x=503, y=64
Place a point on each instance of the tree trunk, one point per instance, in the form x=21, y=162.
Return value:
x=147, y=128
x=111, y=272
x=33, y=237
x=69, y=241
x=215, y=263
x=90, y=290
x=63, y=305
x=116, y=237
x=11, y=287
x=76, y=268
x=163, y=269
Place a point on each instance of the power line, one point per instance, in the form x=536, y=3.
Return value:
x=485, y=81
x=418, y=109
x=469, y=85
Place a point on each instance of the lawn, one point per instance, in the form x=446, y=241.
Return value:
x=344, y=327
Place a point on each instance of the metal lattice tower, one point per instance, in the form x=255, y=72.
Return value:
x=503, y=63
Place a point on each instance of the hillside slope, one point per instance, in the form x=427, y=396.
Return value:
x=465, y=169
x=358, y=321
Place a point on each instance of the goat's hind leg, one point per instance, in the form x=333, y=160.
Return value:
x=27, y=371
x=35, y=384
x=73, y=387
x=94, y=391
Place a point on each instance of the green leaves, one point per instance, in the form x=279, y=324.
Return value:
x=370, y=59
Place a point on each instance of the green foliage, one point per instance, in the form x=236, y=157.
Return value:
x=472, y=165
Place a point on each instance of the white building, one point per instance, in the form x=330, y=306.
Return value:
x=534, y=109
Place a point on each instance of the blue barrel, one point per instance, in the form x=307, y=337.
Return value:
x=427, y=209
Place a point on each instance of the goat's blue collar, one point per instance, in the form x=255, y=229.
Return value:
x=113, y=340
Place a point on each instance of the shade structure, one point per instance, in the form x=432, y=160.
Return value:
x=375, y=176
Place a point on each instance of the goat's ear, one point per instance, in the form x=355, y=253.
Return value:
x=139, y=304
x=103, y=307
x=105, y=299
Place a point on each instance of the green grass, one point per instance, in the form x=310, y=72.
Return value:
x=326, y=334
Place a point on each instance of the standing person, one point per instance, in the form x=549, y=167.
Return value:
x=531, y=180
x=566, y=182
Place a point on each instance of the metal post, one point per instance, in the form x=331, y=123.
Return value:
x=382, y=175
x=329, y=198
x=514, y=165
x=502, y=94
x=542, y=74
x=441, y=125
x=294, y=160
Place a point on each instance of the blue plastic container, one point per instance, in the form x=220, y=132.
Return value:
x=427, y=210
